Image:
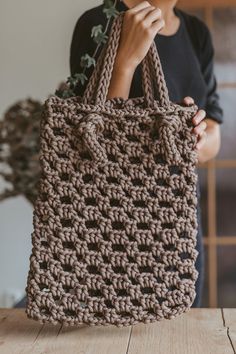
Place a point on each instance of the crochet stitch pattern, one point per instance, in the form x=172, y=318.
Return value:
x=115, y=219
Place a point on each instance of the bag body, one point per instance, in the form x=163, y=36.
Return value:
x=115, y=219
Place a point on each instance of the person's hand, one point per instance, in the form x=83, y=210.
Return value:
x=199, y=124
x=140, y=25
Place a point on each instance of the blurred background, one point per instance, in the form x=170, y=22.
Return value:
x=35, y=41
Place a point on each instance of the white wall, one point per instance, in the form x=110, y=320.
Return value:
x=35, y=39
x=34, y=45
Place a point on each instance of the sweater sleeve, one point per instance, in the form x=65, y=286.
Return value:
x=213, y=108
x=81, y=44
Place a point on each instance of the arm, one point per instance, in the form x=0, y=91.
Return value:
x=121, y=80
x=138, y=32
x=82, y=43
x=213, y=108
x=207, y=122
x=141, y=24
x=208, y=133
x=209, y=143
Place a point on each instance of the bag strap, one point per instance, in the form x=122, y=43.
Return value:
x=98, y=84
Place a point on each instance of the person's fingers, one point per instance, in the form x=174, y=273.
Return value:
x=154, y=15
x=140, y=6
x=158, y=25
x=199, y=116
x=188, y=100
x=200, y=128
x=142, y=14
x=201, y=142
x=149, y=18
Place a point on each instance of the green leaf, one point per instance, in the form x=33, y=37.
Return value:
x=110, y=12
x=81, y=77
x=87, y=61
x=96, y=30
x=65, y=93
x=72, y=81
x=98, y=35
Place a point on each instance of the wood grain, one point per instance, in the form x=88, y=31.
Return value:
x=17, y=333
x=229, y=317
x=203, y=331
x=82, y=340
x=198, y=331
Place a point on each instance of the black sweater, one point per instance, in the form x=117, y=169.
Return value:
x=187, y=59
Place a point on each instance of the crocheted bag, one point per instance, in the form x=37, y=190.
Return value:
x=115, y=220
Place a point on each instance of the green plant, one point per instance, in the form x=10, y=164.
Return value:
x=99, y=36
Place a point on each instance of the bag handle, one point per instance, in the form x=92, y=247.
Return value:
x=98, y=85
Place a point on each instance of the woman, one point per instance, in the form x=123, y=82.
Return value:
x=186, y=52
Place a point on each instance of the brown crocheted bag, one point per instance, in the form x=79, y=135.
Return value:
x=115, y=220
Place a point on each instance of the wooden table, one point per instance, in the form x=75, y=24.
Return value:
x=199, y=331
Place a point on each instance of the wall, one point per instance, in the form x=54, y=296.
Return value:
x=34, y=45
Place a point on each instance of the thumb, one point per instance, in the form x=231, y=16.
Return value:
x=188, y=101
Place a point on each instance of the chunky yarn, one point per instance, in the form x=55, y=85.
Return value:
x=115, y=220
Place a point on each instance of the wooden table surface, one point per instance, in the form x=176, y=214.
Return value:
x=200, y=331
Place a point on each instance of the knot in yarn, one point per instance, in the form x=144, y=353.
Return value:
x=89, y=129
x=169, y=126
